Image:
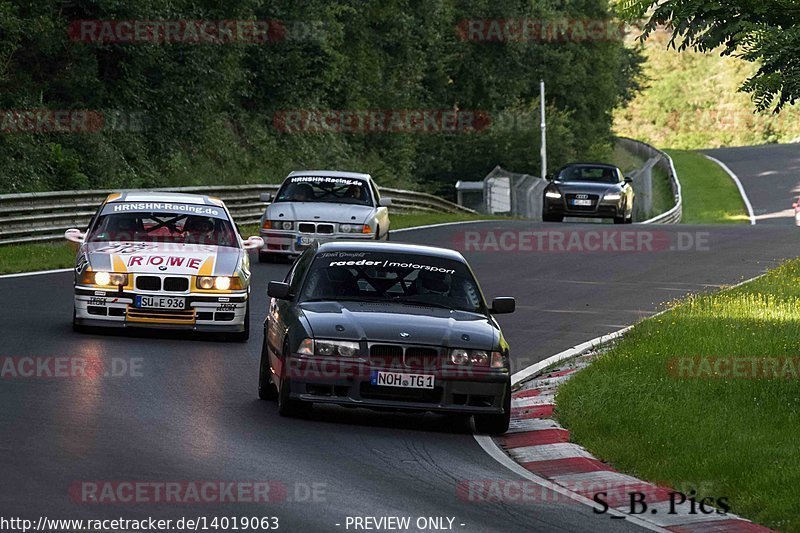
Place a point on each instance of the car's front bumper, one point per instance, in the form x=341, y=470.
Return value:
x=288, y=242
x=349, y=383
x=601, y=209
x=112, y=308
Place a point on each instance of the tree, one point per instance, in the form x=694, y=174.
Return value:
x=761, y=31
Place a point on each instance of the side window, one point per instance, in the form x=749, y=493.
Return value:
x=298, y=271
x=375, y=194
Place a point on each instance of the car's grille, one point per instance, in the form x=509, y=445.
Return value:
x=148, y=283
x=176, y=284
x=161, y=316
x=591, y=197
x=397, y=356
x=311, y=227
x=170, y=284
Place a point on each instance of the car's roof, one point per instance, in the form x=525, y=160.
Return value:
x=155, y=196
x=390, y=247
x=596, y=165
x=330, y=173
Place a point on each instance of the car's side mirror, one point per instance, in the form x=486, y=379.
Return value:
x=385, y=202
x=265, y=197
x=279, y=290
x=253, y=243
x=628, y=179
x=74, y=235
x=503, y=305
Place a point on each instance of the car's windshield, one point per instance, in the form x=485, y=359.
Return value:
x=200, y=225
x=589, y=173
x=406, y=279
x=324, y=189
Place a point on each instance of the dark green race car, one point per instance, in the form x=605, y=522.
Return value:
x=386, y=326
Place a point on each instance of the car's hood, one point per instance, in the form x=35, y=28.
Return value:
x=585, y=187
x=385, y=322
x=163, y=258
x=318, y=211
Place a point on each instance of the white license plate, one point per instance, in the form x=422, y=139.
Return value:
x=582, y=202
x=406, y=381
x=160, y=302
x=305, y=241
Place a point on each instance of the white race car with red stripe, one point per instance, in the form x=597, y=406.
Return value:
x=163, y=260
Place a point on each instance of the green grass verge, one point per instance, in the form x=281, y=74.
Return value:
x=47, y=256
x=730, y=436
x=709, y=194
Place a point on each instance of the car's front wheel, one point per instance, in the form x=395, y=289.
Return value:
x=286, y=405
x=266, y=388
x=495, y=424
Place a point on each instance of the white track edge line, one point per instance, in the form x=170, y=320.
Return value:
x=35, y=273
x=498, y=455
x=739, y=186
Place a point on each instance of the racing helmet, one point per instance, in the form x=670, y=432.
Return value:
x=428, y=282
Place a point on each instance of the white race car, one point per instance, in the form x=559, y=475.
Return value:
x=163, y=260
x=315, y=206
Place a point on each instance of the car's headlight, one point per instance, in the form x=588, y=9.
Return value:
x=612, y=197
x=333, y=348
x=351, y=228
x=329, y=348
x=460, y=356
x=115, y=279
x=220, y=283
x=553, y=194
x=285, y=225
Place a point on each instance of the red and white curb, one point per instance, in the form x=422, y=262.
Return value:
x=539, y=445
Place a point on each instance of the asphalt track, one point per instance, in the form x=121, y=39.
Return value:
x=770, y=175
x=192, y=413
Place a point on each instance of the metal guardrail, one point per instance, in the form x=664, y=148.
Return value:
x=674, y=215
x=45, y=216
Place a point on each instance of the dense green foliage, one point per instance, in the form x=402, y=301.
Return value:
x=765, y=32
x=691, y=101
x=207, y=110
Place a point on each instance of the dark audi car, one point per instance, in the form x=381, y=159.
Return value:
x=589, y=190
x=386, y=326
